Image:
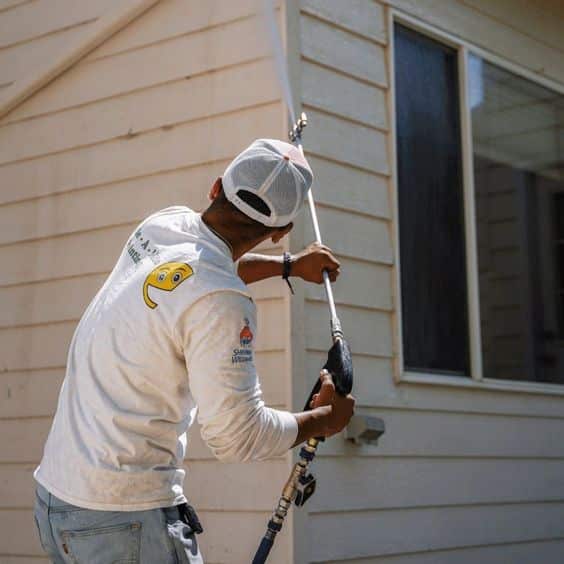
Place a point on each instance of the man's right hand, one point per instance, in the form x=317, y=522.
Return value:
x=329, y=415
x=339, y=408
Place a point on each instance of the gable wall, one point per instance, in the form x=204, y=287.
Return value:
x=147, y=120
x=33, y=32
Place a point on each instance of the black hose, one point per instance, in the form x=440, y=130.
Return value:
x=263, y=550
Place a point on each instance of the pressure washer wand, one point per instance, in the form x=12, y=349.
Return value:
x=296, y=138
x=301, y=484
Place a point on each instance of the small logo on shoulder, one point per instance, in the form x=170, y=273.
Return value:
x=246, y=335
x=245, y=353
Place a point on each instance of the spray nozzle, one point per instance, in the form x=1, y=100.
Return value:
x=296, y=131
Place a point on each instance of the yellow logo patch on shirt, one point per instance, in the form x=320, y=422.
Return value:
x=166, y=277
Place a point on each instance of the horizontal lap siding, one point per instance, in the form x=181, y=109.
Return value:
x=463, y=475
x=141, y=123
x=33, y=33
x=344, y=536
x=515, y=553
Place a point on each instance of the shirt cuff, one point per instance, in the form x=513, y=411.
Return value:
x=289, y=429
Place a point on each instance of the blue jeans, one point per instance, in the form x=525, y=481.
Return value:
x=84, y=536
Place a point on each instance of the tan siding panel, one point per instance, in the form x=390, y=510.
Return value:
x=549, y=551
x=350, y=188
x=26, y=438
x=71, y=255
x=121, y=202
x=348, y=53
x=139, y=155
x=343, y=535
x=38, y=347
x=162, y=106
x=272, y=322
x=368, y=332
x=235, y=484
x=30, y=393
x=22, y=60
x=6, y=5
x=359, y=16
x=47, y=16
x=342, y=95
x=429, y=434
x=164, y=62
x=536, y=20
x=361, y=484
x=25, y=559
x=174, y=18
x=17, y=486
x=469, y=24
x=366, y=239
x=44, y=302
x=360, y=284
x=347, y=143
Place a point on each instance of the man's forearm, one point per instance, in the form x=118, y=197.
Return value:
x=254, y=267
x=312, y=423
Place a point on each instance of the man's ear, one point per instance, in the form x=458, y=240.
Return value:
x=281, y=232
x=215, y=189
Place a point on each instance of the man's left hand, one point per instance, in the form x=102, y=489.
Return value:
x=310, y=263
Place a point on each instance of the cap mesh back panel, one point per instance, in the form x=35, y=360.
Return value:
x=282, y=193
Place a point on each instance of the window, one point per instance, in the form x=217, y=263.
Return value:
x=433, y=281
x=518, y=147
x=516, y=154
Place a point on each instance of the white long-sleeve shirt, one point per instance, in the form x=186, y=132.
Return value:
x=170, y=333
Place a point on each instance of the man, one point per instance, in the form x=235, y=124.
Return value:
x=172, y=331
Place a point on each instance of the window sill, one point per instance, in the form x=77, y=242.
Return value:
x=484, y=385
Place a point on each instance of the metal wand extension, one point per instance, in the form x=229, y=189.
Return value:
x=296, y=137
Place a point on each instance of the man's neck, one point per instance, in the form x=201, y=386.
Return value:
x=237, y=249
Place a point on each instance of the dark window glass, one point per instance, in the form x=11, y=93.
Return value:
x=559, y=260
x=518, y=140
x=431, y=217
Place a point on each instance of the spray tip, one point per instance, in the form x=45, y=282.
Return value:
x=297, y=128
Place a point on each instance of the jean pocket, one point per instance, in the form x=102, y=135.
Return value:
x=118, y=544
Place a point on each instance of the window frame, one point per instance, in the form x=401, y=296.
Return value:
x=464, y=49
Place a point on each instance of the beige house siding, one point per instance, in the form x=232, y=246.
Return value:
x=148, y=119
x=460, y=475
x=34, y=32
